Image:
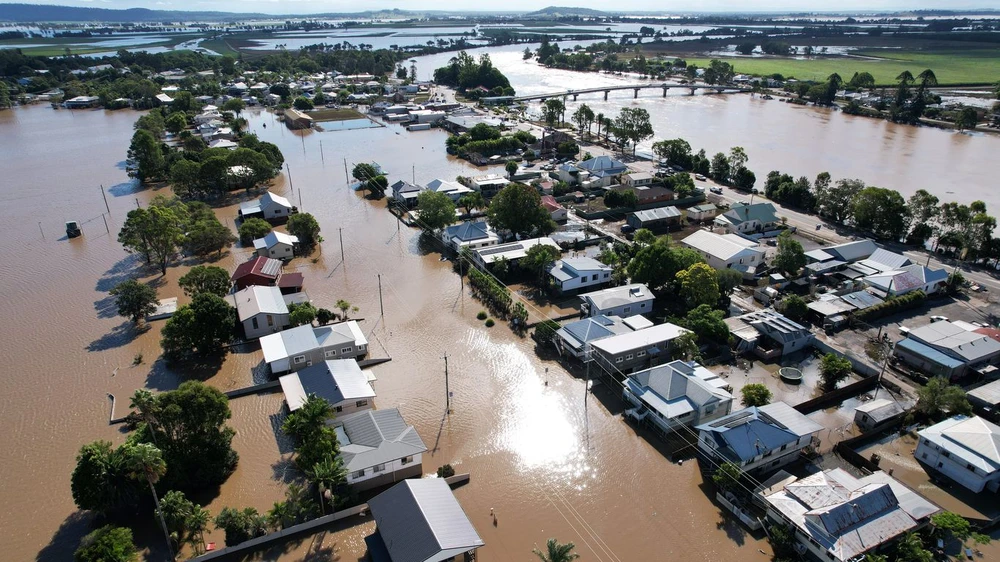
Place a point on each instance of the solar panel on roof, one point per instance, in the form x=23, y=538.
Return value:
x=734, y=420
x=500, y=249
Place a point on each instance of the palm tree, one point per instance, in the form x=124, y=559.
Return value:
x=600, y=121
x=327, y=475
x=905, y=78
x=557, y=552
x=308, y=419
x=146, y=461
x=197, y=522
x=144, y=402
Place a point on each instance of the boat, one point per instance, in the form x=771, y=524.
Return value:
x=73, y=229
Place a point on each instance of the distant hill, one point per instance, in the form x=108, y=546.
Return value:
x=21, y=13
x=563, y=11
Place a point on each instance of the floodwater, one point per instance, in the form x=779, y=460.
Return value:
x=794, y=139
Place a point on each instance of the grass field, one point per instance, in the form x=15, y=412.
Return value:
x=952, y=67
x=335, y=115
x=219, y=46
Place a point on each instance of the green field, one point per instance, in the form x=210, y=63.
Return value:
x=334, y=115
x=56, y=46
x=952, y=67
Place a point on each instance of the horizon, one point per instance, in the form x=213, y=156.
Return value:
x=309, y=7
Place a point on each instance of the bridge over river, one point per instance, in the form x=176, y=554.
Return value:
x=693, y=87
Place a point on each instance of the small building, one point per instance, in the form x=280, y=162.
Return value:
x=574, y=338
x=759, y=440
x=625, y=353
x=296, y=119
x=877, y=414
x=676, y=394
x=512, y=252
x=277, y=245
x=263, y=310
x=702, y=213
x=572, y=274
x=746, y=219
x=727, y=251
x=966, y=450
x=945, y=349
x=646, y=196
x=635, y=179
x=419, y=520
x=657, y=220
x=81, y=102
x=837, y=516
x=405, y=193
x=378, y=448
x=555, y=209
x=469, y=234
x=452, y=189
x=489, y=185
x=257, y=271
x=303, y=346
x=986, y=397
x=340, y=381
x=270, y=207
x=164, y=99
x=426, y=116
x=621, y=301
x=602, y=171
x=768, y=334
x=223, y=143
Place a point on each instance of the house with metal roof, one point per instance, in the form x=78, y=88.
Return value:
x=907, y=279
x=263, y=310
x=847, y=252
x=378, y=447
x=406, y=193
x=302, y=346
x=626, y=352
x=420, y=520
x=452, y=189
x=746, y=219
x=654, y=219
x=489, y=185
x=726, y=251
x=768, y=334
x=877, y=414
x=555, y=208
x=340, y=381
x=469, y=234
x=268, y=272
x=759, y=440
x=837, y=516
x=624, y=301
x=676, y=394
x=573, y=274
x=986, y=397
x=966, y=450
x=703, y=212
x=574, y=338
x=511, y=251
x=277, y=245
x=948, y=350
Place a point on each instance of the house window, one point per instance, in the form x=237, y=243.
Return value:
x=595, y=278
x=331, y=353
x=923, y=455
x=270, y=320
x=628, y=357
x=378, y=468
x=970, y=467
x=346, y=350
x=640, y=354
x=300, y=359
x=358, y=474
x=254, y=322
x=619, y=360
x=627, y=309
x=361, y=403
x=709, y=410
x=642, y=305
x=338, y=409
x=606, y=275
x=406, y=460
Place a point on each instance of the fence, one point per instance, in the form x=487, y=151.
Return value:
x=837, y=396
x=859, y=365
x=750, y=522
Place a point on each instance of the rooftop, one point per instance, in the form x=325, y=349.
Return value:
x=274, y=238
x=677, y=388
x=639, y=339
x=580, y=332
x=724, y=247
x=266, y=267
x=881, y=409
x=571, y=268
x=373, y=437
x=955, y=340
x=762, y=212
x=258, y=299
x=660, y=213
x=750, y=432
x=337, y=380
x=974, y=440
x=513, y=250
x=617, y=296
x=988, y=393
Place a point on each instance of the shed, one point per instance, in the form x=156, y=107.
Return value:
x=654, y=219
x=877, y=414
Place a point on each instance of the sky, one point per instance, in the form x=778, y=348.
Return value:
x=318, y=6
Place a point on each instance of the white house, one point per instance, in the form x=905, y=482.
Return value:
x=406, y=193
x=636, y=179
x=574, y=338
x=262, y=309
x=836, y=516
x=452, y=189
x=749, y=218
x=636, y=350
x=676, y=394
x=618, y=301
x=469, y=235
x=571, y=274
x=602, y=171
x=378, y=448
x=302, y=346
x=489, y=185
x=726, y=251
x=277, y=245
x=511, y=251
x=877, y=413
x=966, y=450
x=758, y=440
x=702, y=212
x=340, y=381
x=269, y=207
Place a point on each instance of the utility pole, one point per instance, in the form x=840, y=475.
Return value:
x=341, y=231
x=300, y=199
x=289, y=172
x=105, y=217
x=447, y=391
x=137, y=205
x=346, y=175
x=321, y=156
x=414, y=174
x=42, y=231
x=381, y=309
x=105, y=199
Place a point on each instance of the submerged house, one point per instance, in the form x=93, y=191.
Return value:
x=378, y=448
x=270, y=207
x=263, y=310
x=277, y=245
x=618, y=301
x=966, y=450
x=947, y=349
x=302, y=346
x=571, y=274
x=768, y=334
x=471, y=235
x=267, y=272
x=746, y=219
x=575, y=338
x=340, y=381
x=676, y=394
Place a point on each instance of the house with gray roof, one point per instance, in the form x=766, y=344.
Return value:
x=726, y=251
x=469, y=234
x=302, y=346
x=909, y=278
x=837, y=516
x=378, y=448
x=263, y=310
x=638, y=349
x=420, y=520
x=406, y=193
x=511, y=251
x=676, y=394
x=340, y=381
x=452, y=189
x=277, y=245
x=946, y=349
x=986, y=397
x=877, y=414
x=623, y=301
x=746, y=219
x=759, y=440
x=768, y=334
x=574, y=338
x=603, y=169
x=573, y=274
x=657, y=219
x=966, y=450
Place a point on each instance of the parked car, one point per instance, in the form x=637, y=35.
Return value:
x=938, y=319
x=627, y=229
x=717, y=190
x=700, y=177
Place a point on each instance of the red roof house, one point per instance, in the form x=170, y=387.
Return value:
x=258, y=271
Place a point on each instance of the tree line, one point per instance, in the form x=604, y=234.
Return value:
x=467, y=75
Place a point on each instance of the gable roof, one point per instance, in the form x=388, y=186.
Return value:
x=955, y=340
x=258, y=299
x=676, y=388
x=617, y=296
x=762, y=212
x=974, y=440
x=264, y=267
x=287, y=343
x=884, y=260
x=420, y=518
x=847, y=252
x=271, y=198
x=660, y=213
x=744, y=434
x=640, y=339
x=373, y=437
x=602, y=164
x=881, y=409
x=468, y=231
x=580, y=332
x=445, y=186
x=716, y=245
x=336, y=380
x=571, y=268
x=274, y=238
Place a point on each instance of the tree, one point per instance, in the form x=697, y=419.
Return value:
x=643, y=236
x=699, y=285
x=4, y=95
x=911, y=549
x=185, y=176
x=835, y=202
x=862, y=81
x=185, y=520
x=737, y=159
x=921, y=210
x=834, y=368
x=939, y=399
x=947, y=524
x=316, y=440
x=302, y=103
x=967, y=118
x=794, y=307
x=881, y=211
x=252, y=229
x=657, y=264
x=685, y=346
x=206, y=236
x=746, y=48
x=729, y=279
x=474, y=200
x=198, y=328
x=145, y=159
x=552, y=111
x=107, y=544
x=176, y=122
x=633, y=125
x=235, y=105
x=437, y=210
x=134, y=300
x=727, y=477
x=146, y=462
x=720, y=168
x=517, y=208
x=539, y=259
x=364, y=172
x=743, y=179
x=154, y=232
x=240, y=526
x=790, y=257
x=676, y=152
x=301, y=314
x=328, y=475
x=304, y=227
x=100, y=480
x=707, y=323
x=511, y=169
x=755, y=394
x=555, y=552
x=205, y=279
x=583, y=117
x=344, y=307
x=324, y=316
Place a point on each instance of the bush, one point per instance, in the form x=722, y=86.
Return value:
x=325, y=316
x=546, y=331
x=833, y=369
x=490, y=322
x=446, y=471
x=892, y=306
x=482, y=315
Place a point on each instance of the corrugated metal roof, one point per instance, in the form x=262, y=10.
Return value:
x=676, y=388
x=420, y=518
x=377, y=437
x=957, y=341
x=640, y=339
x=259, y=299
x=661, y=213
x=716, y=245
x=928, y=352
x=617, y=296
x=881, y=409
x=988, y=393
x=973, y=440
x=337, y=381
x=763, y=212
